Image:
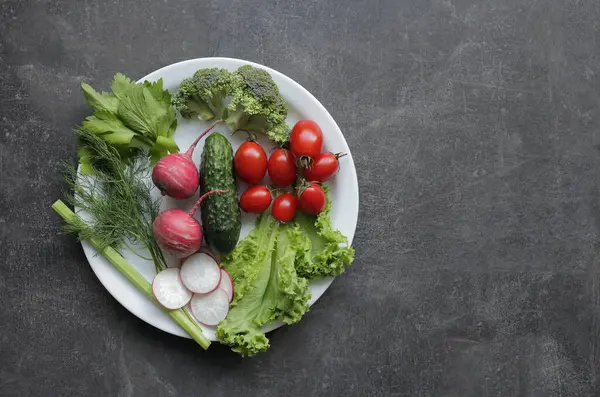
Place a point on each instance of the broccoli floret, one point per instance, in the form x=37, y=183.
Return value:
x=257, y=106
x=203, y=94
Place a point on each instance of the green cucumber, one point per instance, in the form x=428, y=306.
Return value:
x=221, y=216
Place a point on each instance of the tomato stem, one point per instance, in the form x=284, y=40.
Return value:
x=304, y=162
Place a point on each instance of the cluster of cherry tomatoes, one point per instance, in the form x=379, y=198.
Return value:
x=303, y=164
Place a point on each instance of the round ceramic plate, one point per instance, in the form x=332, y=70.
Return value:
x=343, y=188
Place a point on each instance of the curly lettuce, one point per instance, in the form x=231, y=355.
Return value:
x=266, y=284
x=325, y=251
x=271, y=268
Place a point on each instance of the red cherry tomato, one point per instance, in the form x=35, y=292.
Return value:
x=255, y=200
x=250, y=162
x=284, y=207
x=311, y=199
x=306, y=139
x=282, y=167
x=324, y=166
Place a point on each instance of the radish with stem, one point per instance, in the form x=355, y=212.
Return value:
x=176, y=175
x=178, y=232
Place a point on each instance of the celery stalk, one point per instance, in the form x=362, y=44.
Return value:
x=179, y=315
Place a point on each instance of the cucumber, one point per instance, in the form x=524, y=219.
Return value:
x=221, y=216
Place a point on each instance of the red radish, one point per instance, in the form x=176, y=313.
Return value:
x=200, y=273
x=211, y=308
x=177, y=232
x=176, y=175
x=208, y=252
x=226, y=284
x=169, y=291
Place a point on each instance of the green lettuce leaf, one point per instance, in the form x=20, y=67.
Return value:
x=270, y=269
x=293, y=291
x=266, y=286
x=325, y=251
x=249, y=265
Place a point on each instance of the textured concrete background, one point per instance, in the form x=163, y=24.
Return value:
x=474, y=125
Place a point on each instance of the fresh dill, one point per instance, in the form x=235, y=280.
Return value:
x=114, y=200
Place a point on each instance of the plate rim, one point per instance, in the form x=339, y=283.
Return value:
x=91, y=253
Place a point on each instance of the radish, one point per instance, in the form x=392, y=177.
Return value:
x=211, y=308
x=176, y=175
x=169, y=291
x=177, y=231
x=200, y=273
x=208, y=252
x=226, y=284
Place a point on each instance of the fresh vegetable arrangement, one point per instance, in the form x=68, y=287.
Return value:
x=126, y=150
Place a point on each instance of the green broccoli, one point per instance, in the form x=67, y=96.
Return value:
x=257, y=106
x=203, y=94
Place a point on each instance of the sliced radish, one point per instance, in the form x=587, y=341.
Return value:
x=208, y=252
x=226, y=284
x=169, y=291
x=200, y=273
x=211, y=308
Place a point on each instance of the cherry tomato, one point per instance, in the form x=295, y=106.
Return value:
x=250, y=162
x=311, y=199
x=306, y=139
x=324, y=166
x=256, y=199
x=282, y=167
x=284, y=207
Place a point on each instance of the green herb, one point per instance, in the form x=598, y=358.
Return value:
x=132, y=118
x=180, y=316
x=116, y=199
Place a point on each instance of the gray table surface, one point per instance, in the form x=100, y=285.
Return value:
x=474, y=126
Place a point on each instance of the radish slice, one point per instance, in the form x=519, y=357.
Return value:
x=200, y=273
x=169, y=291
x=207, y=251
x=226, y=284
x=211, y=308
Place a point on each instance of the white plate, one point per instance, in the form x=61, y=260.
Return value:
x=343, y=188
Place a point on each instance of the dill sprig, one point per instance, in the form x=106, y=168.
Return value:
x=114, y=201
